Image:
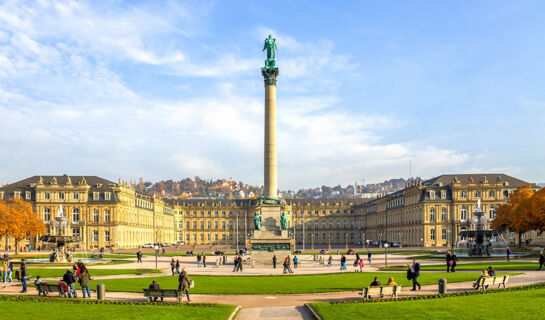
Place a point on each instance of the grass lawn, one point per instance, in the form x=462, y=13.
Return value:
x=473, y=266
x=526, y=304
x=52, y=273
x=279, y=284
x=39, y=310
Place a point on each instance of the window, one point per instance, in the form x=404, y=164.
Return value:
x=230, y=225
x=492, y=213
x=75, y=215
x=187, y=225
x=95, y=215
x=463, y=214
x=492, y=194
x=216, y=237
x=323, y=236
x=75, y=232
x=28, y=195
x=216, y=213
x=223, y=225
x=432, y=214
x=46, y=196
x=209, y=237
x=539, y=234
x=61, y=196
x=75, y=196
x=194, y=224
x=443, y=194
x=505, y=195
x=432, y=234
x=107, y=195
x=107, y=236
x=209, y=225
x=47, y=230
x=444, y=234
x=96, y=195
x=95, y=236
x=216, y=225
x=106, y=215
x=17, y=194
x=47, y=214
x=511, y=235
x=477, y=194
x=180, y=225
x=463, y=195
x=431, y=194
x=330, y=224
x=444, y=214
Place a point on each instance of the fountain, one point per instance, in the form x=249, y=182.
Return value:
x=60, y=230
x=480, y=240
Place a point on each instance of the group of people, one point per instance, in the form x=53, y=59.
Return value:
x=201, y=260
x=78, y=273
x=490, y=272
x=376, y=282
x=183, y=285
x=237, y=263
x=7, y=270
x=452, y=260
x=175, y=266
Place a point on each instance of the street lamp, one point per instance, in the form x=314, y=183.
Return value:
x=385, y=254
x=236, y=213
x=329, y=240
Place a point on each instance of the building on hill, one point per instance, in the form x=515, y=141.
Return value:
x=427, y=213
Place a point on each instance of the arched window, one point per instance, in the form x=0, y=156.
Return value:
x=492, y=213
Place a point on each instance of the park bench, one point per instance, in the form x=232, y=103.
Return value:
x=484, y=282
x=163, y=293
x=44, y=288
x=380, y=291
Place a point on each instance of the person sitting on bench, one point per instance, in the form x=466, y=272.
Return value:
x=155, y=286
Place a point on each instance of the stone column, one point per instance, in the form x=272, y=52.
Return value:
x=270, y=170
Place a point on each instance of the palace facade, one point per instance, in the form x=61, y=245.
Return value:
x=427, y=213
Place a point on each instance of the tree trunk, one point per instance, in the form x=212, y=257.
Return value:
x=520, y=240
x=16, y=246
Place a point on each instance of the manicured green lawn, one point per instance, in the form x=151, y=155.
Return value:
x=527, y=304
x=40, y=310
x=473, y=266
x=279, y=284
x=52, y=273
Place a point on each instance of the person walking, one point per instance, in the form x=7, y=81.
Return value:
x=343, y=262
x=449, y=261
x=183, y=284
x=204, y=259
x=369, y=256
x=10, y=270
x=357, y=261
x=415, y=273
x=23, y=274
x=139, y=256
x=163, y=251
x=198, y=260
x=5, y=270
x=454, y=260
x=235, y=264
x=541, y=260
x=177, y=266
x=287, y=263
x=274, y=261
x=239, y=264
x=361, y=265
x=295, y=261
x=508, y=253
x=330, y=261
x=84, y=278
x=70, y=281
x=172, y=266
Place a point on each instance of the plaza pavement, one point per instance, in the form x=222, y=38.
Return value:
x=268, y=306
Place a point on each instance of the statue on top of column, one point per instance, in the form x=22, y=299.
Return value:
x=270, y=46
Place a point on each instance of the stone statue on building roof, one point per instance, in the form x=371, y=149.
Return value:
x=270, y=46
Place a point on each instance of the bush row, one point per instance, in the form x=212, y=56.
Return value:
x=534, y=286
x=17, y=298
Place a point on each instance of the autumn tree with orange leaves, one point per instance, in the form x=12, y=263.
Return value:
x=17, y=220
x=520, y=213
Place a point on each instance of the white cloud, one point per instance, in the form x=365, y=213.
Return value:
x=71, y=95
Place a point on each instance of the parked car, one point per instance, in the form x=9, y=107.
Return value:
x=148, y=245
x=394, y=244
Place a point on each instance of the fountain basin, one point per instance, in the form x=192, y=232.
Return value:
x=84, y=260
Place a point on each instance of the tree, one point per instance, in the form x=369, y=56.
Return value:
x=537, y=205
x=516, y=215
x=17, y=220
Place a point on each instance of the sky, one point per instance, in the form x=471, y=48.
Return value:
x=366, y=91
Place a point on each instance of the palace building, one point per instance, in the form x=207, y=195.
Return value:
x=102, y=213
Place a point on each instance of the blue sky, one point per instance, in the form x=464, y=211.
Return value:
x=123, y=89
